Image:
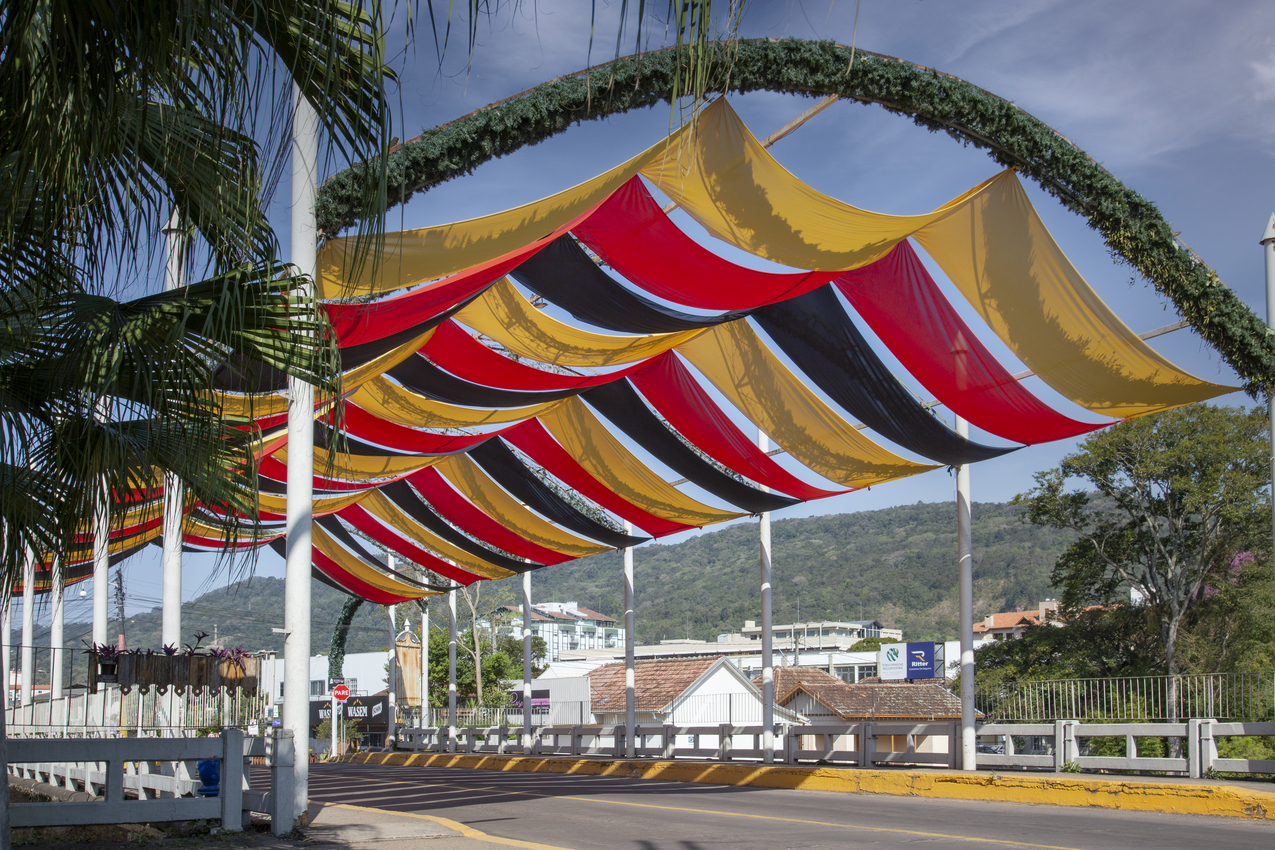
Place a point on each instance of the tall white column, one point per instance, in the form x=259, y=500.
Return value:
x=174, y=502
x=965, y=562
x=451, y=671
x=767, y=641
x=57, y=622
x=425, y=669
x=1268, y=251
x=101, y=562
x=630, y=676
x=526, y=663
x=391, y=722
x=8, y=653
x=296, y=613
x=28, y=626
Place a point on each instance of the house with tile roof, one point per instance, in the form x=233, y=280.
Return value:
x=1010, y=625
x=827, y=700
x=566, y=627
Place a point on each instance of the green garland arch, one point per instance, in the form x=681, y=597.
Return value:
x=340, y=632
x=1130, y=225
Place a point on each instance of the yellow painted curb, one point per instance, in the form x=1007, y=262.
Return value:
x=1168, y=797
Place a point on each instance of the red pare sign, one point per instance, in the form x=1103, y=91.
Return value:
x=341, y=693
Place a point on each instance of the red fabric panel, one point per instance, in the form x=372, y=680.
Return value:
x=674, y=392
x=333, y=570
x=532, y=438
x=276, y=470
x=359, y=323
x=363, y=425
x=469, y=518
x=901, y=302
x=217, y=543
x=452, y=348
x=369, y=525
x=638, y=240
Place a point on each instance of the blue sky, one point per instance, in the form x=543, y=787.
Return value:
x=1176, y=99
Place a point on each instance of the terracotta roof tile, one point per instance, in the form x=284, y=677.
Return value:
x=594, y=615
x=656, y=683
x=866, y=700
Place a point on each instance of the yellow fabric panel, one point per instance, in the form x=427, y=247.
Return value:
x=239, y=404
x=724, y=179
x=382, y=508
x=391, y=402
x=736, y=361
x=1004, y=260
x=593, y=446
x=503, y=314
x=410, y=257
x=360, y=569
x=203, y=529
x=465, y=475
x=349, y=467
x=276, y=504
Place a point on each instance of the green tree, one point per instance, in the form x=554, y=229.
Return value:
x=116, y=115
x=1178, y=493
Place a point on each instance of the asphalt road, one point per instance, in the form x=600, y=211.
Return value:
x=606, y=813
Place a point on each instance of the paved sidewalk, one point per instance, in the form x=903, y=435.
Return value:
x=375, y=829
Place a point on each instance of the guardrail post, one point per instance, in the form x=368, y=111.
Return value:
x=1070, y=749
x=723, y=742
x=575, y=740
x=231, y=793
x=670, y=741
x=1060, y=745
x=866, y=744
x=1206, y=746
x=618, y=742
x=282, y=755
x=954, y=752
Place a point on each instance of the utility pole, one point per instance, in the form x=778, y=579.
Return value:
x=119, y=601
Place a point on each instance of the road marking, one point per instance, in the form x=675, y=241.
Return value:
x=464, y=829
x=497, y=790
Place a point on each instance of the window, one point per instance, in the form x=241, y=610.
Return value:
x=317, y=687
x=354, y=685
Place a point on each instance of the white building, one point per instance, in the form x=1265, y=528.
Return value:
x=567, y=627
x=365, y=674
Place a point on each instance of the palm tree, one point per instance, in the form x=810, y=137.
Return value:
x=115, y=116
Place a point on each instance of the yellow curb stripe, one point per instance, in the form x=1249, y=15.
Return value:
x=465, y=830
x=1170, y=798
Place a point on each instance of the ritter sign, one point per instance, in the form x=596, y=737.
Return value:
x=906, y=661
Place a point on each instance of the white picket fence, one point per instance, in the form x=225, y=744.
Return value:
x=1050, y=746
x=161, y=775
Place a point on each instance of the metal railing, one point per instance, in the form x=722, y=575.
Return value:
x=1222, y=696
x=161, y=773
x=111, y=711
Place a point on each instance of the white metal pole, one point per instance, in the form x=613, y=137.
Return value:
x=174, y=492
x=965, y=565
x=425, y=669
x=57, y=622
x=526, y=663
x=296, y=614
x=767, y=643
x=28, y=626
x=1268, y=250
x=451, y=671
x=630, y=676
x=391, y=722
x=334, y=722
x=101, y=562
x=8, y=650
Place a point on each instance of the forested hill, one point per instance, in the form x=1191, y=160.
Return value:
x=897, y=564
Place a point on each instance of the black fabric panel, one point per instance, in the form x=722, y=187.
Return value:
x=621, y=404
x=334, y=527
x=325, y=437
x=280, y=547
x=411, y=504
x=499, y=461
x=564, y=274
x=823, y=341
x=243, y=374
x=422, y=376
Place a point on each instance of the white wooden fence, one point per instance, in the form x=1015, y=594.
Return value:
x=160, y=773
x=871, y=745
